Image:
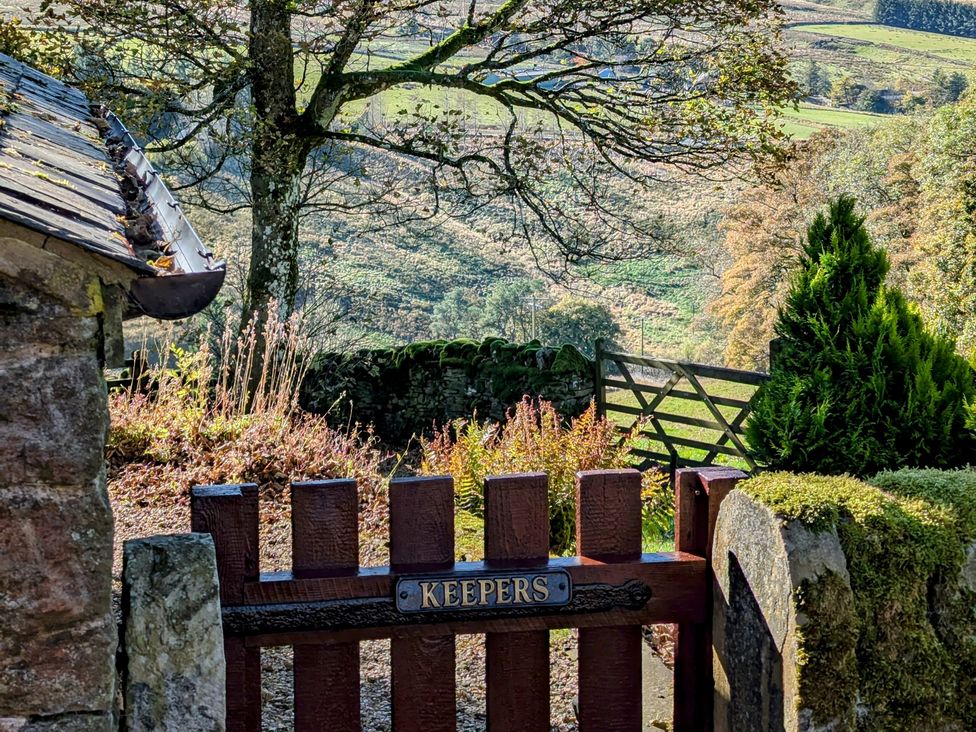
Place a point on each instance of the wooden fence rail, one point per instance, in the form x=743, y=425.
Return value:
x=656, y=409
x=327, y=603
x=134, y=374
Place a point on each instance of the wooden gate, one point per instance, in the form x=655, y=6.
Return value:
x=659, y=402
x=327, y=603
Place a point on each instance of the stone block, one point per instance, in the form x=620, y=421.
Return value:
x=54, y=420
x=780, y=589
x=174, y=677
x=36, y=326
x=71, y=722
x=57, y=631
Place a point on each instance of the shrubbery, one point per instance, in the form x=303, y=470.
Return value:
x=536, y=439
x=859, y=385
x=202, y=424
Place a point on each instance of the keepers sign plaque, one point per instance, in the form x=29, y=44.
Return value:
x=483, y=591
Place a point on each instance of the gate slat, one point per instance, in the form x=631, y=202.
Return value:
x=229, y=513
x=423, y=669
x=325, y=541
x=517, y=528
x=608, y=528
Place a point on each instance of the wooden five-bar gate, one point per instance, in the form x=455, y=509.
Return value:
x=653, y=405
x=327, y=603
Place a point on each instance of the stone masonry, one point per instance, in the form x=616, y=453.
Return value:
x=57, y=630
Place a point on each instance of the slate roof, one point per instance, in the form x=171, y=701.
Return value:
x=55, y=173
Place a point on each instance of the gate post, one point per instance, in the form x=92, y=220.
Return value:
x=599, y=374
x=229, y=513
x=698, y=495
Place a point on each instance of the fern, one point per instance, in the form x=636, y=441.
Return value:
x=535, y=438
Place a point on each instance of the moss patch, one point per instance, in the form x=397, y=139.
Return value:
x=904, y=536
x=827, y=651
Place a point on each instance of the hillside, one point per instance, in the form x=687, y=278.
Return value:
x=842, y=40
x=387, y=281
x=390, y=279
x=668, y=293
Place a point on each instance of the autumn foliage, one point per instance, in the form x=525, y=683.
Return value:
x=536, y=439
x=202, y=423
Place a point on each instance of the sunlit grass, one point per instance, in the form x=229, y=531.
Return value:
x=803, y=122
x=951, y=48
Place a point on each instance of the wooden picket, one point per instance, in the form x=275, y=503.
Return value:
x=517, y=531
x=327, y=603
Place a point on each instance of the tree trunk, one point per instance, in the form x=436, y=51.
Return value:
x=278, y=157
x=276, y=192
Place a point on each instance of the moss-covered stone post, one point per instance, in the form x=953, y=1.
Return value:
x=783, y=617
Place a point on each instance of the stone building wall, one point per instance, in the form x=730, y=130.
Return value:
x=406, y=391
x=57, y=630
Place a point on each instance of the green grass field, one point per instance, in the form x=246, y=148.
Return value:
x=950, y=48
x=803, y=122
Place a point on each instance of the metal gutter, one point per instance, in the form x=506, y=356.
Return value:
x=196, y=277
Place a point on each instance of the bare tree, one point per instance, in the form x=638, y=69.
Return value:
x=259, y=104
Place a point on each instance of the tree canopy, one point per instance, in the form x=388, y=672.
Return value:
x=262, y=104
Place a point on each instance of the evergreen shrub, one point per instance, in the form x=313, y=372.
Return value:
x=858, y=384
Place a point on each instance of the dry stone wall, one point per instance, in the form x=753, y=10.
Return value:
x=406, y=391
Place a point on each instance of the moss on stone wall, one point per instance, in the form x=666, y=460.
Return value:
x=827, y=654
x=405, y=391
x=905, y=537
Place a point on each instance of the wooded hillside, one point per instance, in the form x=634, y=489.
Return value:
x=937, y=16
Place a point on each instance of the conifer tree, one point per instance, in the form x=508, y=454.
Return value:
x=858, y=384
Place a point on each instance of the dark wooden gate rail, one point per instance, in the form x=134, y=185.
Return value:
x=649, y=398
x=328, y=603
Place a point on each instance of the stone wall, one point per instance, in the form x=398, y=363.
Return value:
x=57, y=631
x=842, y=604
x=408, y=390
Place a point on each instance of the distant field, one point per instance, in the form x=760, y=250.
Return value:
x=949, y=48
x=803, y=122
